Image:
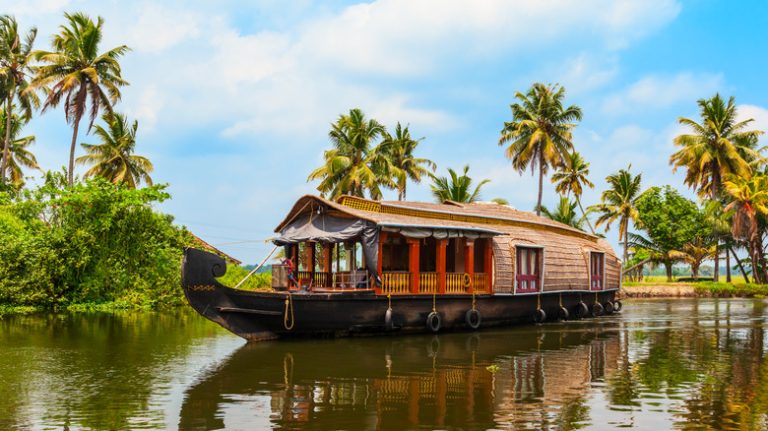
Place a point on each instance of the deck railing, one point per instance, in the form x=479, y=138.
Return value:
x=454, y=282
x=396, y=282
x=479, y=282
x=428, y=282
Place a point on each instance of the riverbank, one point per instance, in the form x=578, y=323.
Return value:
x=704, y=289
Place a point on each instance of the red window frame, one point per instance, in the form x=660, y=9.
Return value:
x=596, y=271
x=528, y=269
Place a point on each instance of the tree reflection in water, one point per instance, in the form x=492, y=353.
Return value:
x=682, y=364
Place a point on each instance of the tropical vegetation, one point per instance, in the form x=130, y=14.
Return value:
x=456, y=188
x=540, y=133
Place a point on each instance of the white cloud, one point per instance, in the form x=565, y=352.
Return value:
x=158, y=28
x=757, y=113
x=662, y=91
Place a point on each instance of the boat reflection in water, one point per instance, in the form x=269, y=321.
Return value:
x=532, y=377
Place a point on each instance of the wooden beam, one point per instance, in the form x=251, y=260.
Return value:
x=309, y=256
x=413, y=263
x=441, y=256
x=469, y=262
x=488, y=264
x=327, y=252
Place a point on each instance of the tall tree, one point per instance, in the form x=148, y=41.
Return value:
x=618, y=203
x=76, y=72
x=113, y=158
x=18, y=154
x=399, y=149
x=571, y=178
x=15, y=70
x=455, y=187
x=565, y=213
x=353, y=165
x=719, y=145
x=539, y=134
x=670, y=220
x=749, y=202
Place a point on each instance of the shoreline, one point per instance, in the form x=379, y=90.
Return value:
x=694, y=290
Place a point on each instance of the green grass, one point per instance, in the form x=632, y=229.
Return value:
x=720, y=289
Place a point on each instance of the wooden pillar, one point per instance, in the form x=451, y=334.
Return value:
x=469, y=262
x=413, y=263
x=488, y=264
x=440, y=255
x=327, y=252
x=380, y=262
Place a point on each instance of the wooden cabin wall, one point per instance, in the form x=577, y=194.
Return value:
x=566, y=260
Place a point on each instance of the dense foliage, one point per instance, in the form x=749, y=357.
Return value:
x=93, y=242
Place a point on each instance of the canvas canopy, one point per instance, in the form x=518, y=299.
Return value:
x=329, y=229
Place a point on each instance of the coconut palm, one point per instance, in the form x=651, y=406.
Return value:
x=18, y=154
x=76, y=72
x=15, y=69
x=749, y=201
x=695, y=252
x=565, y=213
x=500, y=201
x=353, y=165
x=571, y=178
x=455, y=187
x=113, y=158
x=618, y=203
x=398, y=149
x=718, y=146
x=657, y=253
x=539, y=134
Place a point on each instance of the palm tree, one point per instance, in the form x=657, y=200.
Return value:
x=78, y=73
x=571, y=178
x=695, y=252
x=618, y=203
x=456, y=187
x=500, y=201
x=657, y=253
x=565, y=213
x=540, y=131
x=718, y=146
x=18, y=154
x=399, y=151
x=353, y=165
x=749, y=200
x=15, y=68
x=113, y=159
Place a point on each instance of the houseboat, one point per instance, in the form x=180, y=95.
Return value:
x=358, y=266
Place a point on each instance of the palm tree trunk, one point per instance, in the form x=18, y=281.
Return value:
x=715, y=184
x=668, y=268
x=71, y=170
x=541, y=183
x=727, y=265
x=738, y=263
x=7, y=138
x=626, y=243
x=578, y=201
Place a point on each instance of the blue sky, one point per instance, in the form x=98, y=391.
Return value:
x=234, y=98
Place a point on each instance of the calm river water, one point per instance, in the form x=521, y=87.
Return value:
x=680, y=364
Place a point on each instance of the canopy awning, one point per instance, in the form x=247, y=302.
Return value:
x=438, y=232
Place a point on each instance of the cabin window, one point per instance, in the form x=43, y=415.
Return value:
x=528, y=270
x=596, y=270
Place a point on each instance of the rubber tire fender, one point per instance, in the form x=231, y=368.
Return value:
x=562, y=313
x=539, y=316
x=388, y=319
x=581, y=310
x=597, y=309
x=473, y=318
x=617, y=305
x=434, y=321
x=608, y=307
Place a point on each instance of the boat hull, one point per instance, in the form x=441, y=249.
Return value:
x=268, y=315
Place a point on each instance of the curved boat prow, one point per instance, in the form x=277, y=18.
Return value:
x=213, y=300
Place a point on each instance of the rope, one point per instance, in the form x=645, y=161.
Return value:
x=434, y=299
x=538, y=302
x=389, y=301
x=288, y=306
x=256, y=269
x=595, y=297
x=473, y=300
x=561, y=300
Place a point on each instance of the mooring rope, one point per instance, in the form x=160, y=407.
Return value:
x=434, y=300
x=288, y=306
x=257, y=268
x=474, y=302
x=389, y=301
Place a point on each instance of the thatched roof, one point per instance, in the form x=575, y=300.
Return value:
x=205, y=246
